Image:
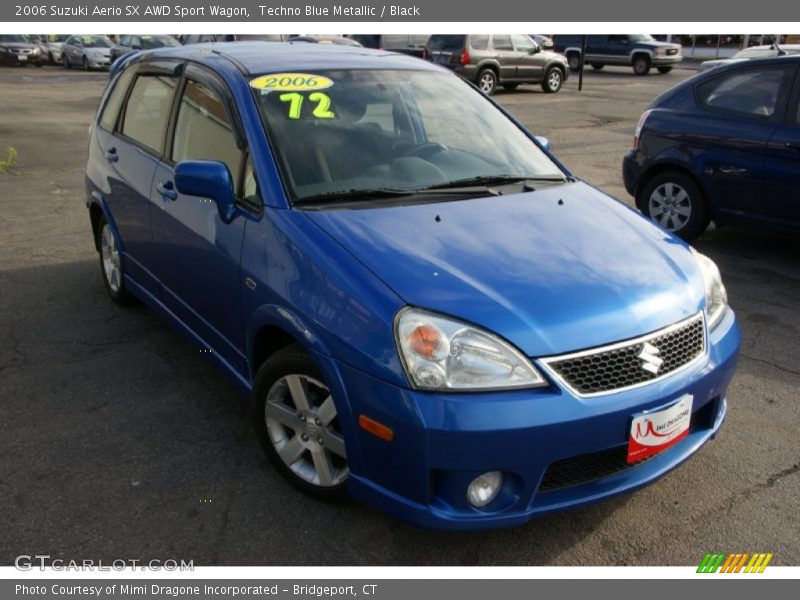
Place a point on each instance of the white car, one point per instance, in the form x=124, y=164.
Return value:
x=769, y=51
x=87, y=51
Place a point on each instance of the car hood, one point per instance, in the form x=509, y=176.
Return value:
x=99, y=51
x=657, y=44
x=18, y=46
x=555, y=270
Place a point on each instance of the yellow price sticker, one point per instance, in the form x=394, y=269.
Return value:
x=290, y=82
x=321, y=110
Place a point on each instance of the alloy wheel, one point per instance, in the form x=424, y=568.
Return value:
x=303, y=428
x=110, y=256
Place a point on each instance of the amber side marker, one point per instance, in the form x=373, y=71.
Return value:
x=377, y=429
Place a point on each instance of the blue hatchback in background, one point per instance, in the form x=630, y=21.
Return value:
x=425, y=307
x=722, y=146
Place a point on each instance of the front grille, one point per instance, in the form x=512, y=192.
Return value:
x=590, y=467
x=626, y=364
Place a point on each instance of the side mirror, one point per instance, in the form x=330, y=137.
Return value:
x=543, y=142
x=207, y=179
x=535, y=50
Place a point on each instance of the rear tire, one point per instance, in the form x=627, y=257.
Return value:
x=664, y=70
x=641, y=64
x=675, y=201
x=297, y=424
x=487, y=81
x=553, y=80
x=574, y=60
x=67, y=64
x=111, y=264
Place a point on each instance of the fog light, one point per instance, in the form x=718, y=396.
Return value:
x=484, y=488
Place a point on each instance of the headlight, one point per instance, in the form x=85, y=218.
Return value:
x=440, y=353
x=716, y=296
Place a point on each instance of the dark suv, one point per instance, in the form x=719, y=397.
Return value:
x=500, y=59
x=639, y=50
x=407, y=43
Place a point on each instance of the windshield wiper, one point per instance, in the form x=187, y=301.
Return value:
x=345, y=195
x=488, y=180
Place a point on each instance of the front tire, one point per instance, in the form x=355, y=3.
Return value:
x=553, y=80
x=111, y=264
x=641, y=64
x=67, y=64
x=664, y=70
x=85, y=64
x=487, y=81
x=673, y=200
x=297, y=424
x=597, y=66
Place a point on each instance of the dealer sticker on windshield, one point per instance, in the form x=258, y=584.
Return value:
x=654, y=432
x=290, y=82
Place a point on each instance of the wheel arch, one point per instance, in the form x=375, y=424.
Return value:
x=273, y=328
x=664, y=167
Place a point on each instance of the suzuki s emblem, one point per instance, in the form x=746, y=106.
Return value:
x=650, y=360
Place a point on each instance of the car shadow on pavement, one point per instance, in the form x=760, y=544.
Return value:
x=130, y=444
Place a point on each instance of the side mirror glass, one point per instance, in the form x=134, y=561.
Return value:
x=543, y=142
x=207, y=179
x=536, y=50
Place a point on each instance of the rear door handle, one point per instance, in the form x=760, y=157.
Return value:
x=111, y=155
x=167, y=190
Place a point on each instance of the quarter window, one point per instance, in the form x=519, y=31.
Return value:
x=204, y=131
x=115, y=100
x=479, y=42
x=755, y=93
x=147, y=111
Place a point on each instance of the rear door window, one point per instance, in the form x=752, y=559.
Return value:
x=502, y=42
x=147, y=110
x=757, y=93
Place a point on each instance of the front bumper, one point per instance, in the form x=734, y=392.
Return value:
x=443, y=441
x=99, y=62
x=666, y=61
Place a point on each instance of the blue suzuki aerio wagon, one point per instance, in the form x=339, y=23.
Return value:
x=427, y=310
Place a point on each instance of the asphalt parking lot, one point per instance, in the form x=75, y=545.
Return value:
x=119, y=441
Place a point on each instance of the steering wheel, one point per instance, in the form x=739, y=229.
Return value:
x=427, y=149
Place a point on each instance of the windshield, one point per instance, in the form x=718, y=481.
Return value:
x=361, y=130
x=13, y=39
x=57, y=38
x=96, y=41
x=756, y=53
